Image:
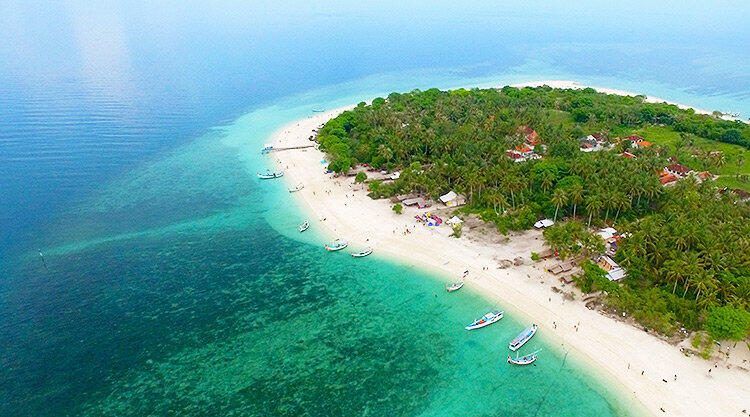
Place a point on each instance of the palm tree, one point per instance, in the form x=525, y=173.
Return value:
x=675, y=270
x=497, y=199
x=548, y=181
x=559, y=197
x=575, y=196
x=704, y=283
x=594, y=204
x=621, y=202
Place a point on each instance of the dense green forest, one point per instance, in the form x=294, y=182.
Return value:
x=688, y=250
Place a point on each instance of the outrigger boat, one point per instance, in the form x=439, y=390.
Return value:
x=296, y=188
x=269, y=175
x=523, y=337
x=485, y=320
x=526, y=360
x=455, y=286
x=362, y=254
x=304, y=226
x=337, y=244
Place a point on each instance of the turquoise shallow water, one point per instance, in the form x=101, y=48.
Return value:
x=184, y=288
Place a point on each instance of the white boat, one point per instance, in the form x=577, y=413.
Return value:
x=526, y=360
x=485, y=320
x=304, y=226
x=296, y=188
x=455, y=286
x=523, y=337
x=362, y=254
x=318, y=110
x=269, y=175
x=337, y=244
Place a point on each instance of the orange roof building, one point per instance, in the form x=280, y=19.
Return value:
x=523, y=149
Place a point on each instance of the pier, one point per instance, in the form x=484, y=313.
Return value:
x=288, y=148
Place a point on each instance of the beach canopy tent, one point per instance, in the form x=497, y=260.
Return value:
x=454, y=220
x=607, y=233
x=543, y=223
x=450, y=196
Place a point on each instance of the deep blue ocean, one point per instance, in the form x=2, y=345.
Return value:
x=172, y=282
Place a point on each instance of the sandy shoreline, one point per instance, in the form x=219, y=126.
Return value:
x=617, y=349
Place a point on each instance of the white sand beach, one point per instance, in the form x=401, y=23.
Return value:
x=639, y=362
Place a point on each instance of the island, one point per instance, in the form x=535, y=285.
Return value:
x=618, y=222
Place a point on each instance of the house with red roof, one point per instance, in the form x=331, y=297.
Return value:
x=633, y=138
x=628, y=155
x=667, y=178
x=643, y=144
x=678, y=169
x=524, y=150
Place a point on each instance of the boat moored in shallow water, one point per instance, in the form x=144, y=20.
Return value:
x=296, y=188
x=269, y=175
x=523, y=337
x=485, y=320
x=304, y=226
x=337, y=244
x=526, y=360
x=362, y=254
x=455, y=286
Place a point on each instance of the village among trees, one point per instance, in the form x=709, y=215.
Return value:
x=675, y=184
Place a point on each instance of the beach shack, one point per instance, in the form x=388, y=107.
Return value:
x=562, y=267
x=614, y=271
x=411, y=201
x=451, y=199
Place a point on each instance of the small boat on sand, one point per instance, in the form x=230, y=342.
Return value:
x=363, y=253
x=485, y=320
x=523, y=337
x=296, y=188
x=269, y=175
x=337, y=244
x=526, y=360
x=304, y=226
x=455, y=286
